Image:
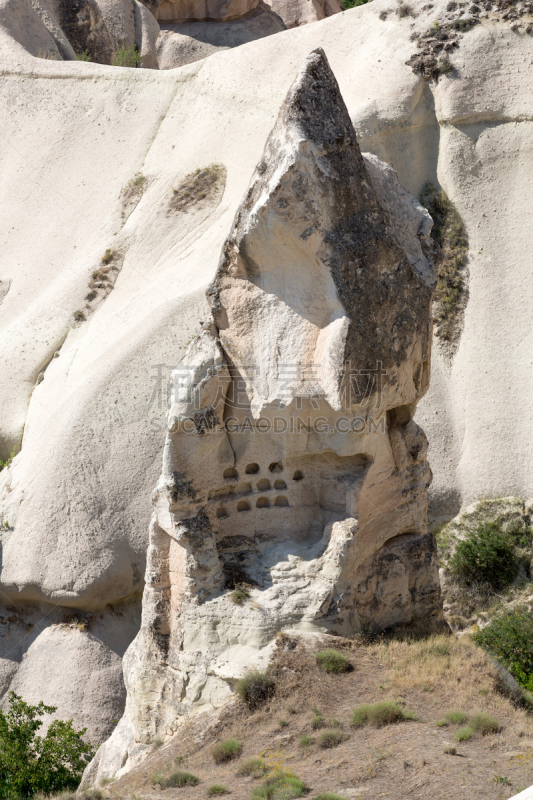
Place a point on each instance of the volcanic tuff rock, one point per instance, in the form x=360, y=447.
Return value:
x=301, y=12
x=75, y=500
x=292, y=465
x=191, y=41
x=62, y=29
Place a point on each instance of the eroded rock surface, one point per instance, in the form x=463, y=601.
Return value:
x=191, y=41
x=301, y=12
x=292, y=465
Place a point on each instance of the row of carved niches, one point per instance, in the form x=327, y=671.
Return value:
x=286, y=499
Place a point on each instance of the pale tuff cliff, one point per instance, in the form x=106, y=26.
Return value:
x=292, y=464
x=90, y=424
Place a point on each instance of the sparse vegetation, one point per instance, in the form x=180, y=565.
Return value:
x=255, y=688
x=7, y=462
x=79, y=316
x=83, y=56
x=283, y=723
x=108, y=257
x=306, y=740
x=226, y=750
x=386, y=712
x=239, y=595
x=30, y=763
x=332, y=661
x=199, y=185
x=450, y=750
x=176, y=780
x=253, y=768
x=127, y=57
x=450, y=296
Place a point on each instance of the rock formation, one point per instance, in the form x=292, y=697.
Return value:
x=301, y=12
x=63, y=29
x=292, y=465
x=74, y=503
x=183, y=43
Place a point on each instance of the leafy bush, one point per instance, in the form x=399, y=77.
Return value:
x=83, y=56
x=347, y=4
x=306, y=740
x=331, y=738
x=332, y=661
x=464, y=734
x=176, y=779
x=386, y=712
x=252, y=768
x=30, y=763
x=226, y=750
x=239, y=596
x=255, y=688
x=318, y=721
x=484, y=724
x=280, y=786
x=485, y=556
x=127, y=57
x=217, y=788
x=456, y=717
x=510, y=640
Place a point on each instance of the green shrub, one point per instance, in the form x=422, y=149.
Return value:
x=176, y=780
x=255, y=688
x=239, y=596
x=283, y=723
x=217, y=788
x=30, y=763
x=280, y=786
x=226, y=750
x=347, y=4
x=318, y=722
x=486, y=555
x=386, y=712
x=332, y=661
x=484, y=724
x=83, y=56
x=306, y=740
x=464, y=734
x=456, y=717
x=510, y=640
x=127, y=57
x=252, y=768
x=331, y=738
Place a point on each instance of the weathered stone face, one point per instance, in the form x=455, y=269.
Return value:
x=292, y=464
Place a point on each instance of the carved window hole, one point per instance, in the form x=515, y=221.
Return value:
x=263, y=485
x=280, y=485
x=262, y=502
x=231, y=474
x=221, y=513
x=243, y=505
x=281, y=501
x=276, y=466
x=252, y=469
x=298, y=475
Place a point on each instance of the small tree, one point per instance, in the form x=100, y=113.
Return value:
x=30, y=763
x=127, y=57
